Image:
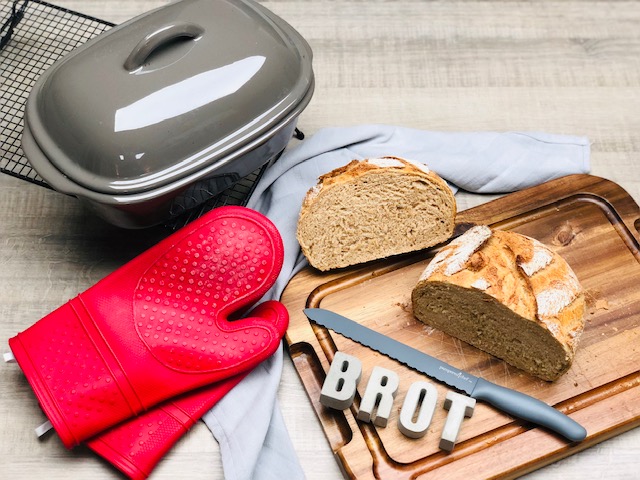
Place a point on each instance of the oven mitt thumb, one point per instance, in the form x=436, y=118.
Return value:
x=137, y=445
x=158, y=326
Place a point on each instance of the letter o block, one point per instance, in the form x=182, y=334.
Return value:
x=419, y=403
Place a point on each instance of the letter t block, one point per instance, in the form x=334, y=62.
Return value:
x=459, y=406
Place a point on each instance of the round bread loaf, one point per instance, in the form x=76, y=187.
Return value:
x=506, y=294
x=372, y=209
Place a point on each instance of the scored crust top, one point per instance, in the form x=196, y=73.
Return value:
x=518, y=271
x=357, y=168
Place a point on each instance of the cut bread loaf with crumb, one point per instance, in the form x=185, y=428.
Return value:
x=506, y=294
x=372, y=209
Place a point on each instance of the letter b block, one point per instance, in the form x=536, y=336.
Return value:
x=339, y=387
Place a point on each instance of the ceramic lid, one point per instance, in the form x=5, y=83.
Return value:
x=169, y=93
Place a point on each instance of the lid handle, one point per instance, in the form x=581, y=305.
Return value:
x=157, y=39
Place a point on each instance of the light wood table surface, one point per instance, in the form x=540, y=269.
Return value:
x=568, y=67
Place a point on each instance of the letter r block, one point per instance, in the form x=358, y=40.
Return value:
x=379, y=395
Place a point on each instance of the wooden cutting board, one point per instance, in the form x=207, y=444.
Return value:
x=594, y=225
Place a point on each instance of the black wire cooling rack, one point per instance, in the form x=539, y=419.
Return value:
x=34, y=34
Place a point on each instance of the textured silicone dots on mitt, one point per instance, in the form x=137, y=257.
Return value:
x=137, y=445
x=158, y=326
x=184, y=293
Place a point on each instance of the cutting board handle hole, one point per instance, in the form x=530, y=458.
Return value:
x=636, y=224
x=307, y=362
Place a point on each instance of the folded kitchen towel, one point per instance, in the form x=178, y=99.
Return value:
x=254, y=442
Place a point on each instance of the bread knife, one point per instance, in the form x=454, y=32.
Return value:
x=514, y=403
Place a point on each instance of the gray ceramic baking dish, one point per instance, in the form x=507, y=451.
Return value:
x=185, y=99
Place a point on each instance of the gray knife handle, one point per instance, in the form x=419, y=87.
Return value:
x=528, y=408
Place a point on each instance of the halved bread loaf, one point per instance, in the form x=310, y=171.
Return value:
x=373, y=209
x=506, y=294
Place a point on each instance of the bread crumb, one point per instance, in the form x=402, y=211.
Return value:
x=428, y=330
x=405, y=306
x=595, y=302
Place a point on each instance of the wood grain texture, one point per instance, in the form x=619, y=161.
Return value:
x=592, y=223
x=558, y=66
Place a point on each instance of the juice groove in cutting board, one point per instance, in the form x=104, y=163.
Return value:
x=594, y=225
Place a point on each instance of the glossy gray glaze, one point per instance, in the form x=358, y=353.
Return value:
x=172, y=97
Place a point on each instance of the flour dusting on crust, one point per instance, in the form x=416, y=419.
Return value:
x=314, y=192
x=385, y=162
x=467, y=245
x=481, y=284
x=458, y=252
x=419, y=165
x=553, y=328
x=542, y=257
x=553, y=300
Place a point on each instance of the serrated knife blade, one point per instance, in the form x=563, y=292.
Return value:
x=514, y=403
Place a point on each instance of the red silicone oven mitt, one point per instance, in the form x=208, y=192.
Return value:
x=137, y=445
x=156, y=327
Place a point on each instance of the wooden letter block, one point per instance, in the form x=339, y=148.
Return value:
x=459, y=406
x=420, y=403
x=379, y=395
x=339, y=388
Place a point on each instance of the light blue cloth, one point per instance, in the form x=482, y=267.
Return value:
x=247, y=422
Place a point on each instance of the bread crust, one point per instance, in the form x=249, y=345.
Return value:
x=358, y=168
x=360, y=173
x=535, y=283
